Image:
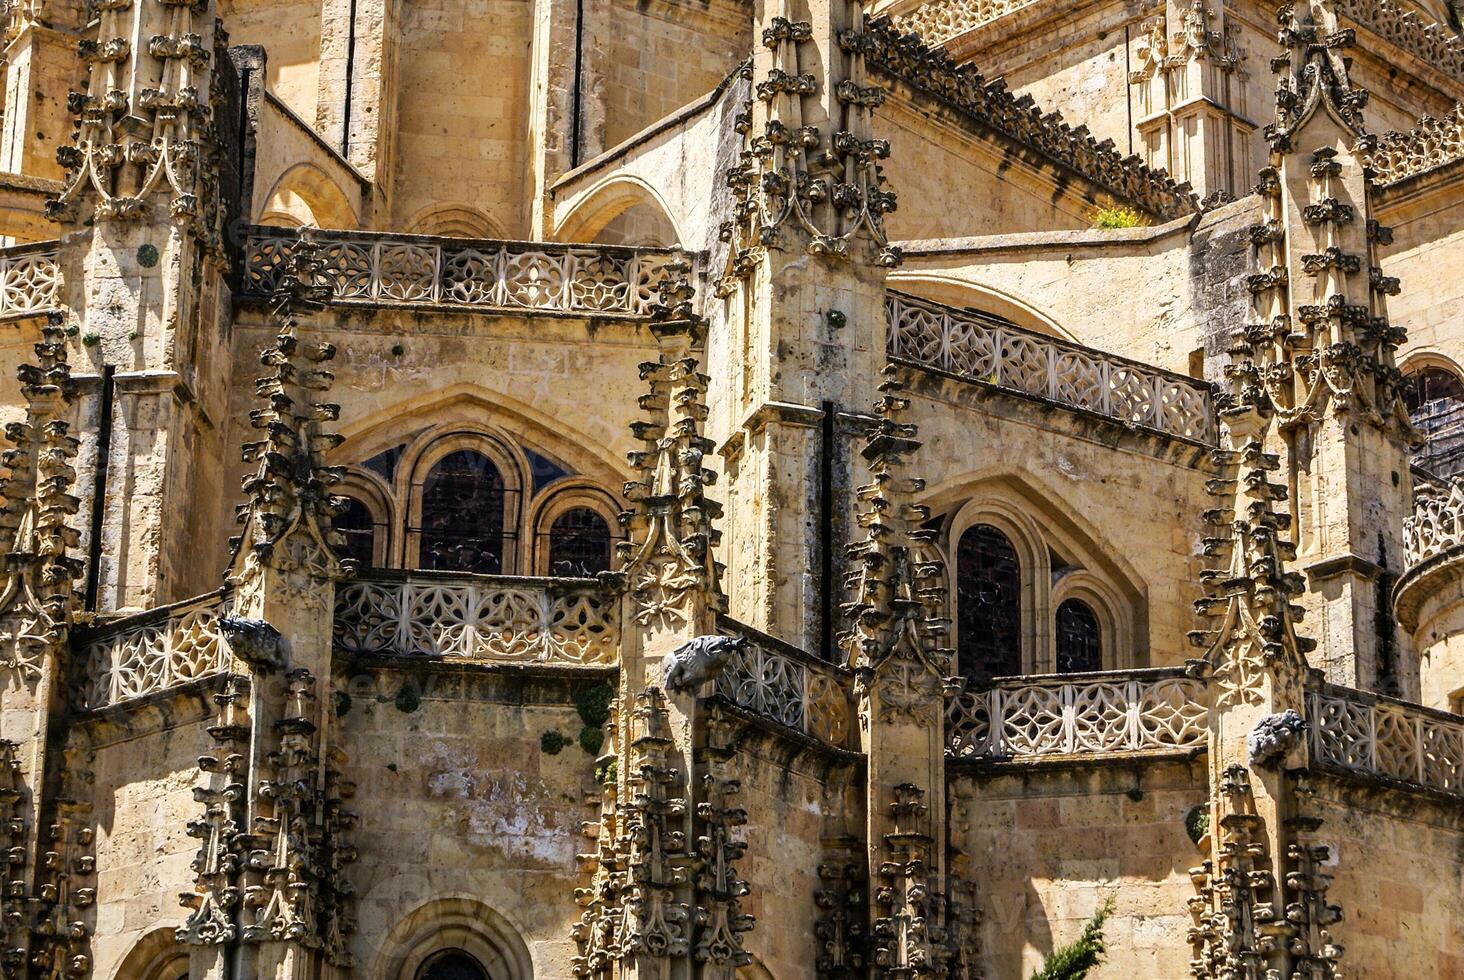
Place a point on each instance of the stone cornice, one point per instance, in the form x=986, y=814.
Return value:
x=906, y=58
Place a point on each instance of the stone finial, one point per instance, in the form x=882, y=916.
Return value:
x=288, y=511
x=667, y=556
x=144, y=125
x=1312, y=72
x=35, y=539
x=825, y=186
x=896, y=600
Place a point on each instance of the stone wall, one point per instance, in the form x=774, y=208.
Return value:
x=662, y=54
x=1047, y=848
x=1398, y=862
x=478, y=806
x=145, y=769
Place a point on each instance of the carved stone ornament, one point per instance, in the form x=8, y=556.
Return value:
x=896, y=605
x=910, y=939
x=145, y=125
x=1274, y=736
x=36, y=542
x=698, y=661
x=667, y=557
x=288, y=511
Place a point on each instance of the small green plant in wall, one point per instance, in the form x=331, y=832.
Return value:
x=1107, y=217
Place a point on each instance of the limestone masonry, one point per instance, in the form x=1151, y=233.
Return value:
x=731, y=489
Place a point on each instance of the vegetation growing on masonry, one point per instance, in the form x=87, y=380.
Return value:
x=1073, y=961
x=1112, y=216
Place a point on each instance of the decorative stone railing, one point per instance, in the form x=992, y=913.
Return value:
x=939, y=21
x=472, y=274
x=1158, y=710
x=1432, y=143
x=478, y=618
x=1437, y=524
x=997, y=353
x=151, y=652
x=787, y=686
x=1376, y=736
x=29, y=277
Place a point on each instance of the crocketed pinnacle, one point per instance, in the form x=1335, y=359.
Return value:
x=289, y=499
x=670, y=532
x=895, y=603
x=35, y=538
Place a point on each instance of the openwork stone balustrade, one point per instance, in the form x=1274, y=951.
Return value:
x=480, y=618
x=1158, y=710
x=1376, y=736
x=786, y=686
x=1437, y=524
x=29, y=276
x=995, y=352
x=415, y=270
x=151, y=652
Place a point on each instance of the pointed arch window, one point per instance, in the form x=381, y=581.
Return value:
x=452, y=964
x=1079, y=638
x=358, y=527
x=1435, y=402
x=463, y=527
x=988, y=604
x=579, y=543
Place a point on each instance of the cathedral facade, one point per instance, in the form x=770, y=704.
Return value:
x=725, y=489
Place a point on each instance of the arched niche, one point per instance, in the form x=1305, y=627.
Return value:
x=623, y=210
x=306, y=195
x=454, y=923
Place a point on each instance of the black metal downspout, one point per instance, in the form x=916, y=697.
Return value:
x=827, y=589
x=579, y=65
x=350, y=77
x=99, y=488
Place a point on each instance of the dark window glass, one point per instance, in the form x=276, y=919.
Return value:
x=359, y=530
x=989, y=604
x=462, y=515
x=1435, y=403
x=452, y=965
x=1079, y=643
x=579, y=543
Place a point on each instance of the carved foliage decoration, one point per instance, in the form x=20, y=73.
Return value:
x=719, y=919
x=66, y=891
x=35, y=538
x=896, y=626
x=828, y=185
x=214, y=903
x=288, y=509
x=637, y=908
x=910, y=940
x=667, y=556
x=295, y=888
x=842, y=925
x=1238, y=929
x=14, y=913
x=145, y=124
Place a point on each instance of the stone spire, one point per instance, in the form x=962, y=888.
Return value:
x=895, y=648
x=667, y=557
x=48, y=855
x=35, y=538
x=1319, y=353
x=145, y=131
x=1311, y=401
x=810, y=166
x=287, y=514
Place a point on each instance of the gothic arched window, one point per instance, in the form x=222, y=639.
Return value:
x=1435, y=403
x=359, y=529
x=579, y=543
x=462, y=515
x=452, y=964
x=1079, y=638
x=988, y=604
